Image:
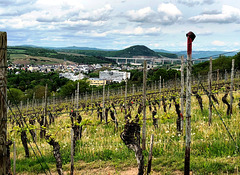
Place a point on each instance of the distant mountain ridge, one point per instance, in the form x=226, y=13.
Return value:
x=200, y=54
x=141, y=50
x=136, y=50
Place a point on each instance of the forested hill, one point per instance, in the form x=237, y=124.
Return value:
x=137, y=50
x=222, y=63
x=21, y=52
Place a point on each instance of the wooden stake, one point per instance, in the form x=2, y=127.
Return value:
x=150, y=155
x=144, y=106
x=33, y=100
x=231, y=88
x=3, y=100
x=125, y=99
x=188, y=114
x=103, y=104
x=14, y=157
x=226, y=76
x=72, y=153
x=77, y=97
x=160, y=90
x=108, y=93
x=182, y=91
x=210, y=92
x=92, y=96
x=45, y=107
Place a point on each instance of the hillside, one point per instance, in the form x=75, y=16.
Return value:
x=36, y=55
x=137, y=50
x=222, y=63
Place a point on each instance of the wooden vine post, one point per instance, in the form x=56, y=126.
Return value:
x=108, y=93
x=231, y=88
x=150, y=155
x=92, y=96
x=72, y=153
x=160, y=90
x=125, y=98
x=121, y=92
x=77, y=97
x=144, y=105
x=45, y=107
x=133, y=89
x=103, y=104
x=210, y=92
x=190, y=37
x=3, y=106
x=182, y=92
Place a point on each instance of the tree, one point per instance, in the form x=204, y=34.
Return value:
x=15, y=95
x=40, y=91
x=69, y=88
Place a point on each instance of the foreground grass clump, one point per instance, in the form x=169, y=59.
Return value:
x=212, y=150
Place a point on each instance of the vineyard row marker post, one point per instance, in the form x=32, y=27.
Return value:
x=190, y=37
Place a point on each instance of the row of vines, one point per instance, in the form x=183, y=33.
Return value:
x=104, y=128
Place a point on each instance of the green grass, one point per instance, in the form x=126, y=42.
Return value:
x=212, y=150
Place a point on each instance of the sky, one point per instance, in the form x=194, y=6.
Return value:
x=118, y=24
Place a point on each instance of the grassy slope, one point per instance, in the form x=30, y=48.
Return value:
x=35, y=60
x=212, y=151
x=31, y=55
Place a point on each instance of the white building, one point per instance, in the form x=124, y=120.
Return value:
x=71, y=76
x=114, y=75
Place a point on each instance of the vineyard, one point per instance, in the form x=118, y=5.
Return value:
x=101, y=131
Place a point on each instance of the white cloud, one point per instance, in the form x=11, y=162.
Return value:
x=228, y=14
x=138, y=31
x=102, y=14
x=141, y=15
x=155, y=45
x=166, y=14
x=169, y=13
x=15, y=2
x=236, y=44
x=169, y=9
x=204, y=33
x=192, y=3
x=218, y=43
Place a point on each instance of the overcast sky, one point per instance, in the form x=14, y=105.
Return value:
x=117, y=24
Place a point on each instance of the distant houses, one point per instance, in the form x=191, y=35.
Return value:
x=76, y=72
